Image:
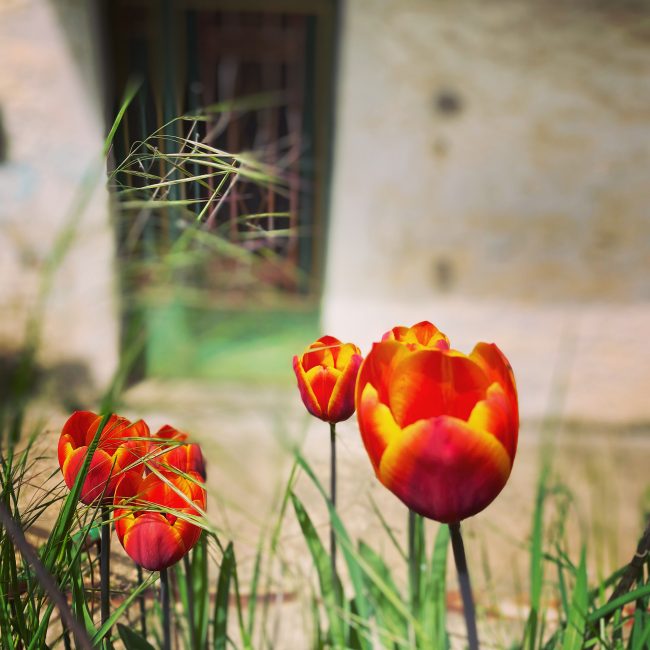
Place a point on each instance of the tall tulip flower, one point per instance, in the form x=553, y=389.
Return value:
x=116, y=451
x=326, y=372
x=150, y=516
x=440, y=428
x=169, y=452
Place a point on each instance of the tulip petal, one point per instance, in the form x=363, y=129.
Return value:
x=420, y=335
x=153, y=543
x=99, y=472
x=320, y=353
x=344, y=355
x=444, y=470
x=322, y=381
x=377, y=425
x=378, y=367
x=341, y=403
x=498, y=369
x=429, y=382
x=495, y=415
x=306, y=392
x=74, y=433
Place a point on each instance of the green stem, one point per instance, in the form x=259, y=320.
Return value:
x=465, y=585
x=333, y=494
x=105, y=565
x=190, y=599
x=141, y=600
x=413, y=561
x=164, y=605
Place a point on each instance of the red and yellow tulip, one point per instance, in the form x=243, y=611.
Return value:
x=167, y=452
x=116, y=451
x=326, y=373
x=419, y=336
x=440, y=427
x=151, y=516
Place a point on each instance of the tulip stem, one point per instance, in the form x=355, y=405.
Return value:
x=333, y=495
x=143, y=609
x=105, y=565
x=413, y=561
x=189, y=587
x=465, y=585
x=164, y=605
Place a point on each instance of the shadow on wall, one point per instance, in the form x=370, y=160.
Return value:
x=68, y=382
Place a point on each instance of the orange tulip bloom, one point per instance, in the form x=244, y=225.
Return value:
x=114, y=453
x=149, y=520
x=185, y=458
x=326, y=373
x=421, y=335
x=440, y=427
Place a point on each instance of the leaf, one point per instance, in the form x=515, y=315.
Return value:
x=219, y=636
x=330, y=587
x=124, y=605
x=392, y=626
x=79, y=601
x=434, y=608
x=577, y=620
x=252, y=600
x=132, y=640
x=536, y=562
x=357, y=566
x=201, y=586
x=606, y=609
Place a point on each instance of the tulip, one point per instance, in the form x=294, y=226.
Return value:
x=326, y=373
x=116, y=451
x=440, y=427
x=150, y=516
x=183, y=457
x=419, y=336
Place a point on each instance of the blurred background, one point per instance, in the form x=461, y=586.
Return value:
x=482, y=166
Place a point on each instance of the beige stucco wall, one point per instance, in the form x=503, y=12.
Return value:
x=55, y=133
x=521, y=213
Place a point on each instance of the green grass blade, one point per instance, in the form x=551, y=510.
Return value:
x=330, y=587
x=220, y=629
x=201, y=586
x=357, y=567
x=619, y=602
x=640, y=637
x=252, y=600
x=79, y=598
x=536, y=564
x=434, y=607
x=131, y=90
x=124, y=605
x=388, y=530
x=577, y=617
x=132, y=640
x=392, y=626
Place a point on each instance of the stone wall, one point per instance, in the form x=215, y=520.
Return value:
x=491, y=175
x=54, y=130
x=493, y=150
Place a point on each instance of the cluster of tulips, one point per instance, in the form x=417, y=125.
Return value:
x=154, y=482
x=440, y=427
